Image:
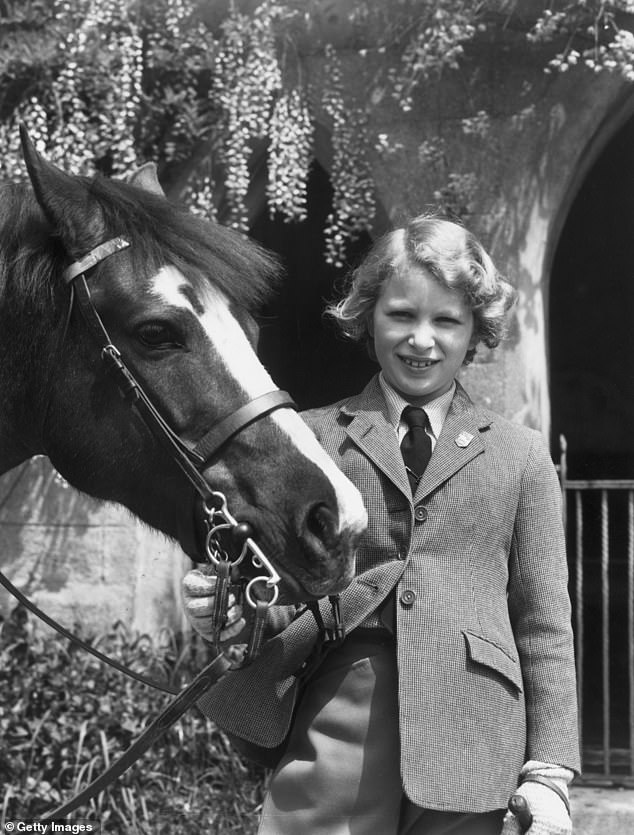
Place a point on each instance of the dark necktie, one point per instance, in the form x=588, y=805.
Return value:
x=416, y=445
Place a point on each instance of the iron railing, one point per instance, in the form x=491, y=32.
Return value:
x=599, y=522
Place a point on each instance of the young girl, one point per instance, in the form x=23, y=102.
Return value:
x=456, y=682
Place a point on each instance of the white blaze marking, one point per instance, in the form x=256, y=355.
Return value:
x=232, y=345
x=167, y=283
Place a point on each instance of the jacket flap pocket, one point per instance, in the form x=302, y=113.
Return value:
x=483, y=651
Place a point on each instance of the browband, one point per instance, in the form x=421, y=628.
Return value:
x=94, y=257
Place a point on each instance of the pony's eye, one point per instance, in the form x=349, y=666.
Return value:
x=157, y=335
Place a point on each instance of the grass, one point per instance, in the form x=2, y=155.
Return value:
x=65, y=716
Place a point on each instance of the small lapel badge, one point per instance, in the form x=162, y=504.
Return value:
x=464, y=439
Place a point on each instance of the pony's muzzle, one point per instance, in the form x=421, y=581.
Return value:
x=329, y=554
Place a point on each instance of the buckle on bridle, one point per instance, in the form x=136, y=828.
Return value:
x=328, y=638
x=220, y=519
x=334, y=636
x=222, y=525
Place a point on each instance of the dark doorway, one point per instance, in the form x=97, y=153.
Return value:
x=591, y=337
x=303, y=351
x=591, y=319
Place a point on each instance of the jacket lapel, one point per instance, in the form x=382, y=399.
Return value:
x=459, y=441
x=372, y=432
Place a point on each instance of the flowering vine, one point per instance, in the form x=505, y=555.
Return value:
x=117, y=82
x=353, y=185
x=436, y=43
x=610, y=47
x=62, y=118
x=247, y=78
x=290, y=156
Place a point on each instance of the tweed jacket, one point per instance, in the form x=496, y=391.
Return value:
x=478, y=564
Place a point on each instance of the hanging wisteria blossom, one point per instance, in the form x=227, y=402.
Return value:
x=290, y=156
x=206, y=88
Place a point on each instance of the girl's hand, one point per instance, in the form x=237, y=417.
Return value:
x=549, y=813
x=198, y=591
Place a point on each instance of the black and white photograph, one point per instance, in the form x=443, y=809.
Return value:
x=317, y=417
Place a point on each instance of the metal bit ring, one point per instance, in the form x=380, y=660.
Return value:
x=248, y=593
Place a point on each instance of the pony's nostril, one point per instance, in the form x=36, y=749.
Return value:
x=321, y=522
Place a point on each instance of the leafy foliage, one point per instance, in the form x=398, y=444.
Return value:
x=202, y=88
x=64, y=717
x=592, y=36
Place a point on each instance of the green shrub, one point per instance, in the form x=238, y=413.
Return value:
x=65, y=716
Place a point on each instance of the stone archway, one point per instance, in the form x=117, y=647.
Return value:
x=591, y=349
x=591, y=311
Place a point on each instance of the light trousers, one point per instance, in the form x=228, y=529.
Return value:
x=340, y=774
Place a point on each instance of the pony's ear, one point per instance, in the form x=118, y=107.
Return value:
x=64, y=199
x=146, y=177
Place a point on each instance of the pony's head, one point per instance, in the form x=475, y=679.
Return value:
x=178, y=303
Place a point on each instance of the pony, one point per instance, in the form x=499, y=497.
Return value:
x=177, y=295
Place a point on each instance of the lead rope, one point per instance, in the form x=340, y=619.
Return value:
x=205, y=679
x=219, y=519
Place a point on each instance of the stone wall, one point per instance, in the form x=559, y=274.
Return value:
x=85, y=563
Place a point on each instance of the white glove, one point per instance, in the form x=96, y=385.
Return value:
x=550, y=814
x=198, y=591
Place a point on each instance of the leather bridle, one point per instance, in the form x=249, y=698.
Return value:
x=190, y=460
x=220, y=522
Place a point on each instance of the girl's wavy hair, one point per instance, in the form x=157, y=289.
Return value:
x=452, y=255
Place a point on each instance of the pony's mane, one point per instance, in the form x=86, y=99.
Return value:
x=29, y=254
x=159, y=232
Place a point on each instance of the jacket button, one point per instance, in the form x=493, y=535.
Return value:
x=420, y=513
x=408, y=597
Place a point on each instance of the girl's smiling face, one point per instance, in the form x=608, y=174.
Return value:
x=422, y=332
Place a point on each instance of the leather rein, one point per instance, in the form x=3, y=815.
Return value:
x=221, y=526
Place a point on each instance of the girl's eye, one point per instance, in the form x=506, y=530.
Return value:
x=158, y=335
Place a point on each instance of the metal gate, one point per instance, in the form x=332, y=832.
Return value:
x=599, y=522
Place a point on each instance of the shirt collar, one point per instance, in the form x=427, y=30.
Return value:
x=436, y=409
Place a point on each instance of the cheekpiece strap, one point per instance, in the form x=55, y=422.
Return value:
x=94, y=257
